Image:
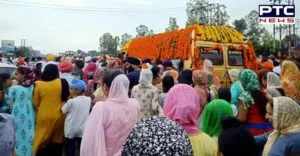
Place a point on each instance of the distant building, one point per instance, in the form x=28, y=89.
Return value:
x=7, y=46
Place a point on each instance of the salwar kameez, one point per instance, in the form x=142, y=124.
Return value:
x=24, y=116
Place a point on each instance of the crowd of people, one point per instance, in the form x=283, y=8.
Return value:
x=105, y=106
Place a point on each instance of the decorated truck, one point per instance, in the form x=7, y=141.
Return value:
x=223, y=45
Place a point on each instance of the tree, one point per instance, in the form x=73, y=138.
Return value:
x=125, y=38
x=108, y=44
x=220, y=17
x=240, y=25
x=196, y=11
x=255, y=30
x=266, y=43
x=23, y=52
x=172, y=24
x=262, y=40
x=275, y=1
x=93, y=53
x=192, y=21
x=199, y=10
x=143, y=31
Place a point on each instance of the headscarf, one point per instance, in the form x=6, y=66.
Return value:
x=182, y=105
x=29, y=76
x=103, y=138
x=286, y=120
x=234, y=74
x=146, y=77
x=273, y=80
x=98, y=75
x=290, y=80
x=157, y=135
x=249, y=81
x=201, y=77
x=209, y=68
x=118, y=91
x=161, y=69
x=202, y=89
x=90, y=68
x=65, y=67
x=213, y=113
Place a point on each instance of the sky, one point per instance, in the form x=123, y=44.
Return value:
x=80, y=23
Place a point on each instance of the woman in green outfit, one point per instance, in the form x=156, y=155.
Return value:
x=213, y=114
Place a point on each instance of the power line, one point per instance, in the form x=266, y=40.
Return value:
x=81, y=6
x=85, y=9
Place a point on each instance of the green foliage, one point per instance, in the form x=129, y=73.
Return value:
x=143, y=31
x=240, y=25
x=196, y=11
x=172, y=24
x=125, y=38
x=260, y=37
x=108, y=44
x=192, y=20
x=93, y=53
x=23, y=52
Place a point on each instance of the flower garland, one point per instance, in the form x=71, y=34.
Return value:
x=249, y=56
x=165, y=46
x=177, y=44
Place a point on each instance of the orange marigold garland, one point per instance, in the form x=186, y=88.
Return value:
x=249, y=56
x=164, y=46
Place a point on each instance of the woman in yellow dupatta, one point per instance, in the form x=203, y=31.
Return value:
x=290, y=80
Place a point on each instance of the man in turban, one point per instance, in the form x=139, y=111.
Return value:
x=134, y=75
x=65, y=68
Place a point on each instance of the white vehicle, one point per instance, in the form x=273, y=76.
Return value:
x=7, y=68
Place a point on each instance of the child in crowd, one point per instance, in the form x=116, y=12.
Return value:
x=76, y=111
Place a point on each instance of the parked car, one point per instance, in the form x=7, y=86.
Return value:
x=7, y=68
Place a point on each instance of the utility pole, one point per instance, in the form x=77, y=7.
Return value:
x=23, y=45
x=294, y=35
x=274, y=44
x=290, y=37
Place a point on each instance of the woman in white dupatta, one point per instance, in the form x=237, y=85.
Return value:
x=284, y=113
x=273, y=85
x=111, y=121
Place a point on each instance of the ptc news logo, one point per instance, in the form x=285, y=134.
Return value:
x=276, y=14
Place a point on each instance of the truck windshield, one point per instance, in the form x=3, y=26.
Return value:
x=235, y=58
x=214, y=55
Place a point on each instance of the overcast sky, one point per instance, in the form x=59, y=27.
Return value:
x=56, y=30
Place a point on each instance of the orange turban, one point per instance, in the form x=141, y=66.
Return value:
x=268, y=65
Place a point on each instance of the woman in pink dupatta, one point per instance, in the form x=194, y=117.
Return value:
x=182, y=106
x=111, y=121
